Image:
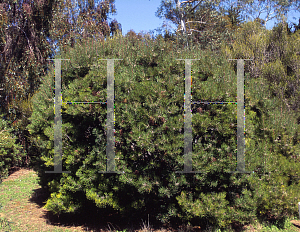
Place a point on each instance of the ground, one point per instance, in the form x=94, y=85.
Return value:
x=21, y=209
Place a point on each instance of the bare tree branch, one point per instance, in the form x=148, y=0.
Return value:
x=200, y=22
x=194, y=30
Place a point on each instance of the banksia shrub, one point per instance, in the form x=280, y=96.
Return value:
x=149, y=137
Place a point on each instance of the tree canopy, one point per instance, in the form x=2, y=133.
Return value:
x=209, y=22
x=32, y=31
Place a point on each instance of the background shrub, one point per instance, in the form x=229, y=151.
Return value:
x=11, y=154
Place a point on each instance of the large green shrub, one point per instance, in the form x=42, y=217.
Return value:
x=149, y=126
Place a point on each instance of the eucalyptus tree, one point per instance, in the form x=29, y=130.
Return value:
x=210, y=22
x=201, y=21
x=24, y=27
x=268, y=10
x=83, y=19
x=32, y=32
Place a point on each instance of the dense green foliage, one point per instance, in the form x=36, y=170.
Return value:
x=276, y=57
x=149, y=122
x=10, y=153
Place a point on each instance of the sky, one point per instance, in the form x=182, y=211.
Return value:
x=138, y=15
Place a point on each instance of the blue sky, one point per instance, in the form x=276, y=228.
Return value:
x=138, y=15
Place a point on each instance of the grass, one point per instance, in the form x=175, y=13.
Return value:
x=21, y=209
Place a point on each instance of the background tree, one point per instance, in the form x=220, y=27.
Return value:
x=31, y=32
x=276, y=56
x=199, y=21
x=25, y=26
x=114, y=27
x=232, y=14
x=267, y=10
x=24, y=49
x=207, y=21
x=84, y=19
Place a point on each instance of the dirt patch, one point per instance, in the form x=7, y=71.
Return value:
x=296, y=223
x=16, y=172
x=28, y=214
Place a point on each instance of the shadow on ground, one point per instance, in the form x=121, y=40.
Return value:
x=95, y=219
x=91, y=218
